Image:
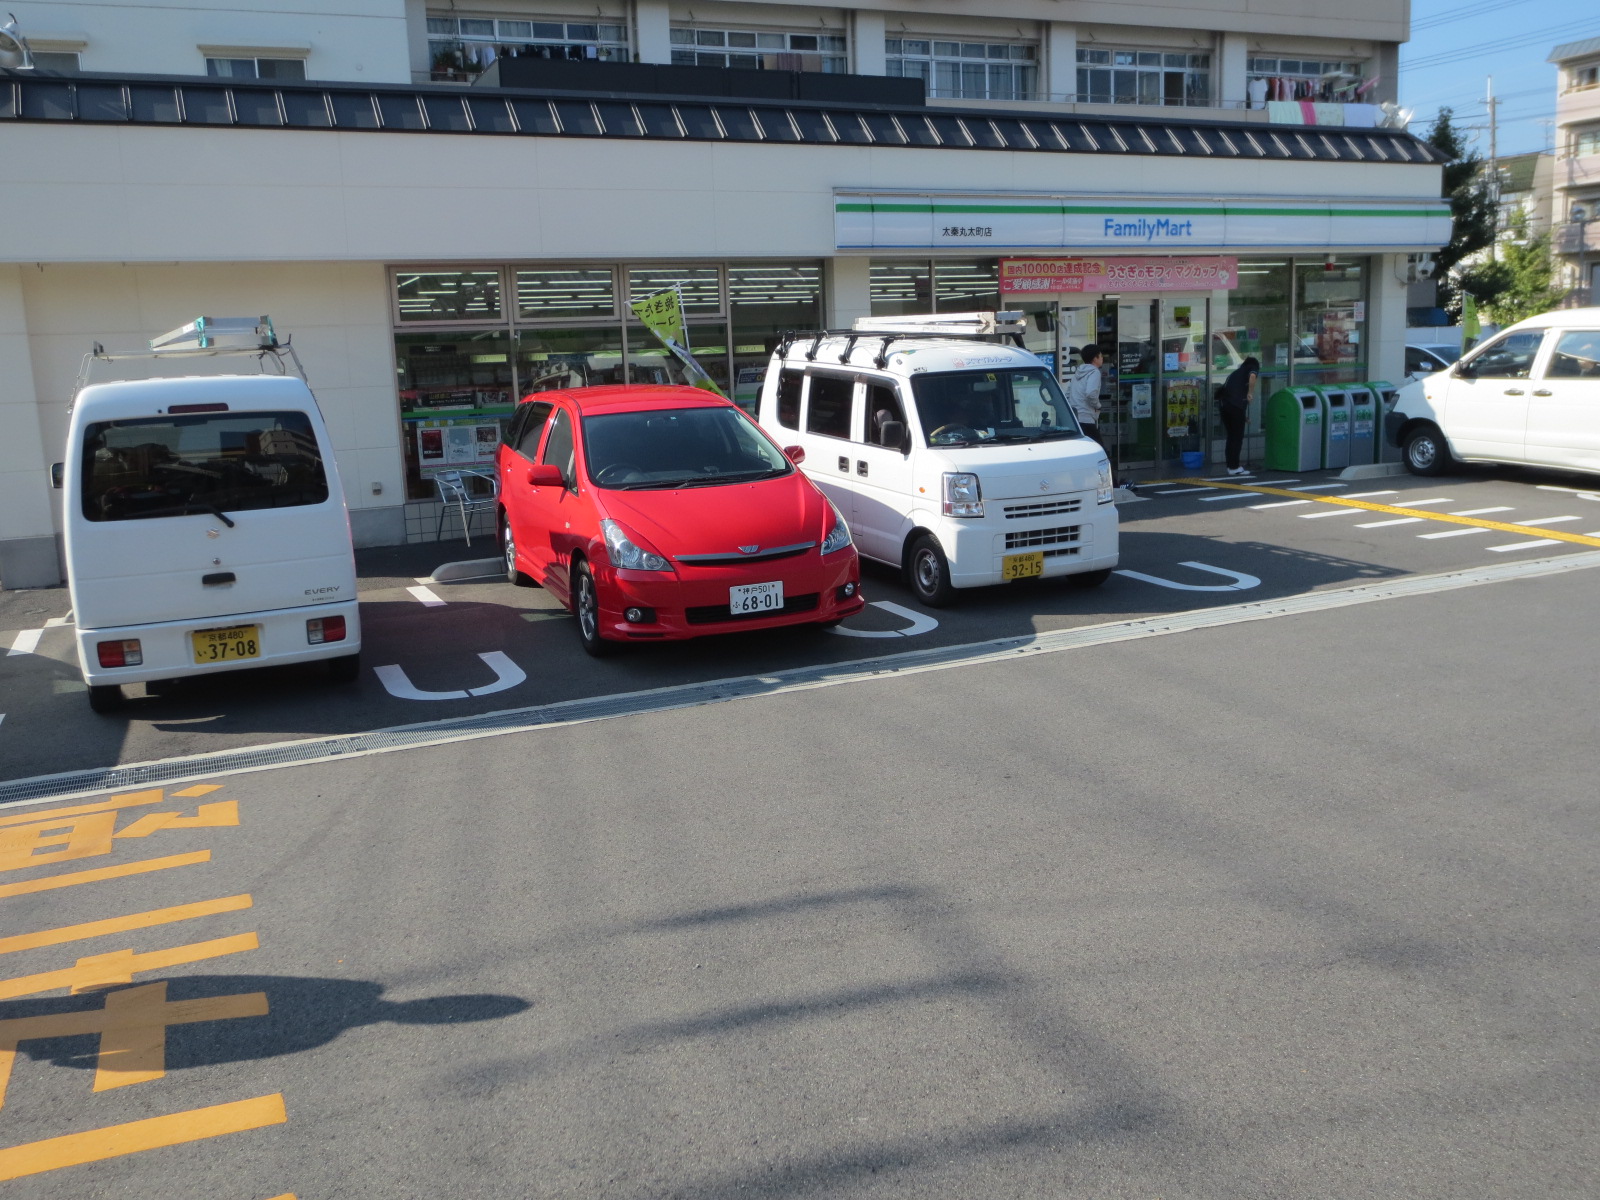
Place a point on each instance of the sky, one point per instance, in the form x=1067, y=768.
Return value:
x=1456, y=46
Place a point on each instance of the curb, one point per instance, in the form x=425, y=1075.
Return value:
x=1373, y=470
x=472, y=568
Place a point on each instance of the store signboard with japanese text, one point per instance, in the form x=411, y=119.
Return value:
x=936, y=221
x=1051, y=276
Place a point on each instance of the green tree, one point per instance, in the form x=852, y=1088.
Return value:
x=1520, y=283
x=1472, y=209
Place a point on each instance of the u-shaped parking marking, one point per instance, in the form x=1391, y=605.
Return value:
x=506, y=675
x=1241, y=581
x=920, y=623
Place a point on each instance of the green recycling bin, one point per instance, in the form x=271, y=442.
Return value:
x=1383, y=395
x=1335, y=424
x=1292, y=422
x=1364, y=431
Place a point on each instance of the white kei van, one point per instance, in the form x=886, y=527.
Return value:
x=957, y=460
x=205, y=529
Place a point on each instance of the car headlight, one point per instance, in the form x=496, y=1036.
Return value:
x=628, y=556
x=1103, y=488
x=839, y=536
x=962, y=496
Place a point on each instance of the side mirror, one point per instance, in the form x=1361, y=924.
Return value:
x=1464, y=370
x=796, y=454
x=892, y=434
x=56, y=470
x=546, y=475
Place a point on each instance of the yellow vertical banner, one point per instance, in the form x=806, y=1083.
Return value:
x=662, y=315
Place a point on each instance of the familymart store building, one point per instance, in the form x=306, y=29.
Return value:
x=438, y=254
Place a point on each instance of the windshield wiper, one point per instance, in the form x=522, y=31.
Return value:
x=207, y=506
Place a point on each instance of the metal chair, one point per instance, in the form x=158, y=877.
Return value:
x=457, y=491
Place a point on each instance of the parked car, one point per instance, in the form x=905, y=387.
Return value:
x=958, y=461
x=1429, y=360
x=205, y=525
x=660, y=512
x=1529, y=395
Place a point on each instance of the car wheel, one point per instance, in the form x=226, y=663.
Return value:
x=1090, y=579
x=105, y=698
x=586, y=607
x=1426, y=452
x=928, y=572
x=345, y=669
x=508, y=542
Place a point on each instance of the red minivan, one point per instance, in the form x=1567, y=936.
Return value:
x=659, y=512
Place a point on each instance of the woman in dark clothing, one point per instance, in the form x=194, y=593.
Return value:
x=1233, y=404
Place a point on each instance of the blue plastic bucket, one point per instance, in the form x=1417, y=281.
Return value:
x=1193, y=459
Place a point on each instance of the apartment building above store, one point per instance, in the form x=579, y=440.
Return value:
x=1302, y=64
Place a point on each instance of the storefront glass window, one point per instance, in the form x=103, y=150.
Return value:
x=565, y=293
x=701, y=286
x=1256, y=326
x=455, y=394
x=568, y=358
x=1331, y=311
x=448, y=295
x=899, y=288
x=766, y=301
x=972, y=286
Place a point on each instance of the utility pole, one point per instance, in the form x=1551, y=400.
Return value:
x=1494, y=170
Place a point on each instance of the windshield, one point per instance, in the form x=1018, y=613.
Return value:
x=678, y=447
x=211, y=463
x=966, y=408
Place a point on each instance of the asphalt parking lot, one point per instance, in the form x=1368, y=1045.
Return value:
x=436, y=650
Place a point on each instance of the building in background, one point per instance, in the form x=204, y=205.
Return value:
x=449, y=207
x=1577, y=168
x=1525, y=195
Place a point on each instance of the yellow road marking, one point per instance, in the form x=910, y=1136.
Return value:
x=73, y=878
x=85, y=836
x=130, y=800
x=144, y=920
x=120, y=966
x=1580, y=539
x=114, y=1141
x=199, y=789
x=207, y=816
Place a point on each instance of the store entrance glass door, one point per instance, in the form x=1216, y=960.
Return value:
x=1184, y=372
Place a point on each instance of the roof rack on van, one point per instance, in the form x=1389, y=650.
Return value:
x=206, y=337
x=887, y=330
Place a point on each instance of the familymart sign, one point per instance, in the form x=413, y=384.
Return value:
x=1143, y=225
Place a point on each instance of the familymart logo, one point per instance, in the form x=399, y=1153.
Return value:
x=1148, y=230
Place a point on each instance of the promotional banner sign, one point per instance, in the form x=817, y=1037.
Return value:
x=662, y=315
x=1048, y=276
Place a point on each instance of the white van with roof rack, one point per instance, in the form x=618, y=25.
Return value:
x=205, y=527
x=953, y=457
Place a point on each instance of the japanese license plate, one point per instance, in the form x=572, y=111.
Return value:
x=226, y=645
x=1022, y=566
x=755, y=598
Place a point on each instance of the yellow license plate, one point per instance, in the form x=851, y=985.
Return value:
x=227, y=645
x=1022, y=566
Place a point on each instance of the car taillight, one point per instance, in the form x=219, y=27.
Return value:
x=121, y=654
x=324, y=629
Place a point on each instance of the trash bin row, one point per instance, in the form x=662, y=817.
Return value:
x=1327, y=425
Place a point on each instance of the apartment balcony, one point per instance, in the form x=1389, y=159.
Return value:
x=1578, y=104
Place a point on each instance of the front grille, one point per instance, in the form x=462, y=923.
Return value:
x=729, y=560
x=1064, y=552
x=716, y=614
x=1024, y=538
x=1049, y=509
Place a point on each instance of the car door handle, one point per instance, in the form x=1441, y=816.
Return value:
x=844, y=464
x=1543, y=392
x=1513, y=391
x=861, y=466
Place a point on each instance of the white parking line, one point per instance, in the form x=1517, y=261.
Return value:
x=1322, y=487
x=57, y=622
x=1280, y=504
x=1549, y=520
x=1336, y=512
x=1524, y=545
x=1478, y=512
x=1589, y=495
x=27, y=641
x=1405, y=503
x=1229, y=496
x=1225, y=478
x=1394, y=521
x=1452, y=533
x=426, y=596
x=1180, y=491
x=1364, y=495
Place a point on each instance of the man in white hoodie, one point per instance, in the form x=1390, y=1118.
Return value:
x=1083, y=391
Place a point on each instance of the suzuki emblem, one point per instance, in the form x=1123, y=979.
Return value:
x=213, y=533
x=748, y=549
x=1044, y=485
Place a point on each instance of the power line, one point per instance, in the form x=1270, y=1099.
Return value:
x=1496, y=45
x=1461, y=14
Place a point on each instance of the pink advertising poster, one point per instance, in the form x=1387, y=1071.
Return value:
x=1050, y=276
